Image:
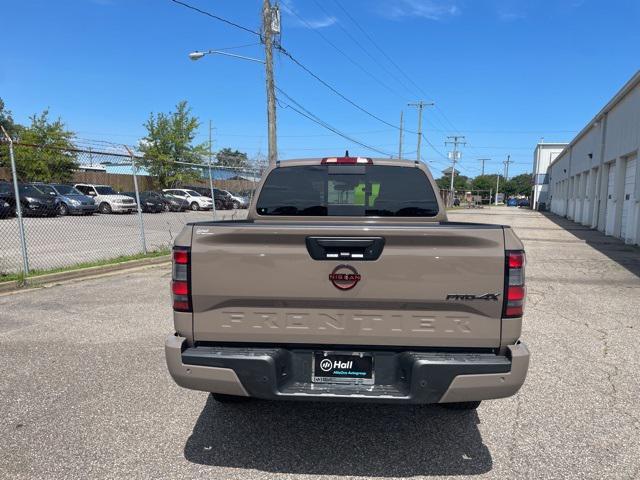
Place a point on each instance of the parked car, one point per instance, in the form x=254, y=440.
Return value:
x=70, y=200
x=7, y=200
x=523, y=202
x=171, y=203
x=195, y=200
x=512, y=202
x=107, y=199
x=149, y=203
x=32, y=200
x=222, y=198
x=306, y=275
x=7, y=208
x=238, y=201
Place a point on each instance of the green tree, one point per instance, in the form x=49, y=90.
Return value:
x=230, y=158
x=170, y=139
x=460, y=182
x=44, y=151
x=518, y=185
x=6, y=120
x=486, y=182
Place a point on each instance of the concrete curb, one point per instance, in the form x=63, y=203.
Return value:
x=39, y=280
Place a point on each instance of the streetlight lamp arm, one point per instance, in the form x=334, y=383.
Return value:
x=198, y=55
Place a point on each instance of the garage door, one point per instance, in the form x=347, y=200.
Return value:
x=585, y=218
x=571, y=196
x=627, y=205
x=611, y=206
x=577, y=193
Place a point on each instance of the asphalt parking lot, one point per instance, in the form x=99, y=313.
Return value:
x=64, y=241
x=85, y=392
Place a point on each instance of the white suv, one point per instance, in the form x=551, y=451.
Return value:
x=191, y=197
x=107, y=199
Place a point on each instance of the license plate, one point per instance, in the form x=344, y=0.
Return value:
x=342, y=367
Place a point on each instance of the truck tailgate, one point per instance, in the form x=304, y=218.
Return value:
x=258, y=283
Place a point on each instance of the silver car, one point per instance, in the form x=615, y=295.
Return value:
x=70, y=200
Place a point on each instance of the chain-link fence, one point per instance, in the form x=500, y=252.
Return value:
x=110, y=205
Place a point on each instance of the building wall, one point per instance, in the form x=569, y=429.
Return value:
x=595, y=181
x=543, y=155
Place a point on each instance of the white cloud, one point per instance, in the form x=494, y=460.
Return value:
x=429, y=9
x=297, y=20
x=322, y=22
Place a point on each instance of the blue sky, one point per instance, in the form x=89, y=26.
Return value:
x=503, y=73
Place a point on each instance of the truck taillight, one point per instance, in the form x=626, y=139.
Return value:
x=515, y=290
x=181, y=279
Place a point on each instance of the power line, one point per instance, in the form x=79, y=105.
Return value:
x=373, y=42
x=333, y=89
x=216, y=17
x=388, y=57
x=314, y=118
x=339, y=50
x=366, y=51
x=239, y=46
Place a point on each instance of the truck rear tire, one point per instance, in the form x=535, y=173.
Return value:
x=461, y=405
x=223, y=398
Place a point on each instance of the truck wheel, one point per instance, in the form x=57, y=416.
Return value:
x=195, y=207
x=105, y=207
x=461, y=405
x=222, y=398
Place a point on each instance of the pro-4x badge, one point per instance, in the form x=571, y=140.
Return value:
x=466, y=296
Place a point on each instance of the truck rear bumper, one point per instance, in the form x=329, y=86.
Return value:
x=401, y=376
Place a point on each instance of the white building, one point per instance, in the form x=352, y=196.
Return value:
x=543, y=155
x=595, y=181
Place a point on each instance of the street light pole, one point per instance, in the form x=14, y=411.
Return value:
x=213, y=196
x=268, y=21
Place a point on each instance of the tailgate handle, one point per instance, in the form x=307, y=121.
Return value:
x=345, y=248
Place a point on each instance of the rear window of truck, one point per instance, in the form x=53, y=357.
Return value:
x=347, y=190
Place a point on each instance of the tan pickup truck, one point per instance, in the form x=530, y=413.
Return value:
x=347, y=282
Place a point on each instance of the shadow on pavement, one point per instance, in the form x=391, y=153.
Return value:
x=627, y=256
x=338, y=439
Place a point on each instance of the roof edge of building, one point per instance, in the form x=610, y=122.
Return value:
x=626, y=88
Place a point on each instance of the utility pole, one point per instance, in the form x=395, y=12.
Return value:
x=213, y=196
x=497, y=187
x=506, y=165
x=401, y=134
x=483, y=160
x=454, y=140
x=270, y=25
x=420, y=104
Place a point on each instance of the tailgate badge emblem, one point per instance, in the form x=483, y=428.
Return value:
x=465, y=296
x=344, y=277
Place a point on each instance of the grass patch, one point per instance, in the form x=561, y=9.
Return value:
x=20, y=277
